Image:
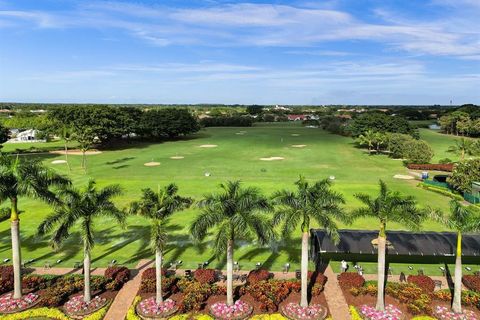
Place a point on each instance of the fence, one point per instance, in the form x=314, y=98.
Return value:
x=437, y=184
x=471, y=198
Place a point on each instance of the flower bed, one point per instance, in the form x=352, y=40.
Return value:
x=391, y=313
x=205, y=276
x=238, y=311
x=444, y=313
x=255, y=276
x=424, y=282
x=432, y=166
x=349, y=280
x=77, y=307
x=296, y=312
x=10, y=305
x=472, y=282
x=149, y=308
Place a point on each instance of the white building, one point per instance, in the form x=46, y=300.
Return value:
x=29, y=135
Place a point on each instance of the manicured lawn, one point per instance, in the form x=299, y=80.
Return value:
x=236, y=157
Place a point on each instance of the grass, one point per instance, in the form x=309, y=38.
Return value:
x=236, y=157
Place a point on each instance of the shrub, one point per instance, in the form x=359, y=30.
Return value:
x=434, y=167
x=149, y=285
x=194, y=296
x=472, y=282
x=50, y=313
x=445, y=161
x=317, y=278
x=424, y=282
x=418, y=151
x=349, y=280
x=269, y=293
x=205, y=275
x=354, y=315
x=150, y=273
x=258, y=275
x=132, y=313
x=98, y=315
x=116, y=277
x=63, y=287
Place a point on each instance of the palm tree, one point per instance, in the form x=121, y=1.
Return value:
x=464, y=147
x=315, y=202
x=82, y=206
x=461, y=219
x=21, y=178
x=158, y=207
x=236, y=212
x=66, y=135
x=387, y=207
x=368, y=139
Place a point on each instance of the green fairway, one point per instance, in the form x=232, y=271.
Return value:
x=236, y=157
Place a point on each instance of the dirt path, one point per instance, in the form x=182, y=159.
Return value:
x=126, y=295
x=333, y=293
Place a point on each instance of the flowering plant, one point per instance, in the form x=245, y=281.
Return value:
x=78, y=306
x=239, y=310
x=150, y=308
x=9, y=305
x=391, y=313
x=444, y=313
x=296, y=312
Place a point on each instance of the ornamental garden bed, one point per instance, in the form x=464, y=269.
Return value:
x=58, y=291
x=412, y=299
x=199, y=294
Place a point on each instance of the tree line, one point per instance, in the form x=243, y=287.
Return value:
x=232, y=213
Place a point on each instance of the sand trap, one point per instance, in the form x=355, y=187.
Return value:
x=177, y=157
x=403, y=177
x=208, y=146
x=295, y=135
x=58, y=161
x=299, y=145
x=240, y=133
x=272, y=159
x=76, y=152
x=151, y=164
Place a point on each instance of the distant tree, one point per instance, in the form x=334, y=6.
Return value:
x=4, y=135
x=396, y=144
x=418, y=151
x=254, y=109
x=236, y=121
x=158, y=207
x=380, y=122
x=465, y=147
x=82, y=207
x=464, y=174
x=167, y=123
x=367, y=139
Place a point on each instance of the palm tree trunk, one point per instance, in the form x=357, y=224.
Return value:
x=382, y=241
x=457, y=292
x=16, y=253
x=304, y=267
x=230, y=272
x=66, y=155
x=87, y=296
x=158, y=275
x=84, y=160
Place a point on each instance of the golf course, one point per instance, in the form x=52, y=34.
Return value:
x=267, y=156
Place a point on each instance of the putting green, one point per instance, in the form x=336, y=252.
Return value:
x=235, y=157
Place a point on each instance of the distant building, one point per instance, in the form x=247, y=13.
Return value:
x=30, y=135
x=297, y=117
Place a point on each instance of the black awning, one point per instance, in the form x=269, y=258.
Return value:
x=400, y=243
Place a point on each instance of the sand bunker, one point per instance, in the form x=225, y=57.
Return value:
x=177, y=157
x=208, y=146
x=403, y=177
x=58, y=161
x=299, y=145
x=240, y=133
x=151, y=164
x=295, y=135
x=76, y=152
x=272, y=159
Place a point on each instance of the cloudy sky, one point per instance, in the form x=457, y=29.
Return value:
x=268, y=52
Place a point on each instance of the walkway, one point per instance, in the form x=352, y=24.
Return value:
x=126, y=295
x=334, y=295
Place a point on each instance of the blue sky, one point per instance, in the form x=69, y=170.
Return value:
x=266, y=52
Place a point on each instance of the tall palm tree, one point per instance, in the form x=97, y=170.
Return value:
x=461, y=219
x=21, y=178
x=465, y=147
x=315, y=202
x=66, y=135
x=388, y=206
x=234, y=213
x=158, y=207
x=81, y=207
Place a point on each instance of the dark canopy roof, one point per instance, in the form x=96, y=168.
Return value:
x=400, y=243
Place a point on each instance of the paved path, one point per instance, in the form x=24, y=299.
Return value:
x=126, y=295
x=334, y=295
x=62, y=271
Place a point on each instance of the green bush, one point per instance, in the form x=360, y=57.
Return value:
x=52, y=313
x=131, y=313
